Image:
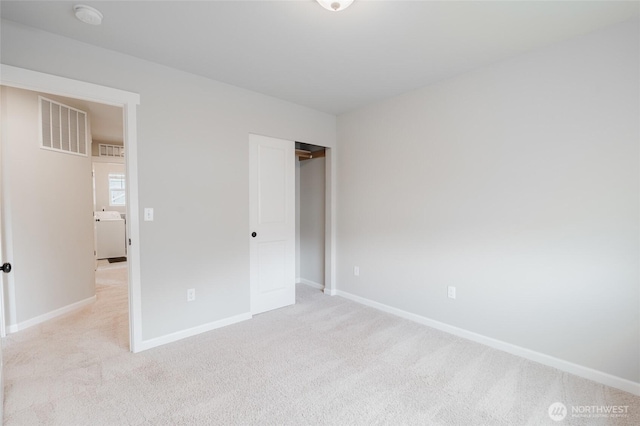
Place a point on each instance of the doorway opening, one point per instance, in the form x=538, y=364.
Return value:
x=126, y=102
x=110, y=207
x=310, y=214
x=55, y=179
x=279, y=258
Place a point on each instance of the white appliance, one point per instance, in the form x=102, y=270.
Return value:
x=110, y=235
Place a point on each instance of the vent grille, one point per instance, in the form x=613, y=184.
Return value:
x=105, y=150
x=63, y=128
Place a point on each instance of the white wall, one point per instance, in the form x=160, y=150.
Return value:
x=519, y=185
x=312, y=220
x=101, y=178
x=48, y=202
x=199, y=130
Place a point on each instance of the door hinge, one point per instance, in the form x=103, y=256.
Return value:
x=129, y=241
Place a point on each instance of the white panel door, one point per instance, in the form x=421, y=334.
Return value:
x=272, y=220
x=2, y=323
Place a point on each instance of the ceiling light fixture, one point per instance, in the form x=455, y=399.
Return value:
x=87, y=14
x=335, y=5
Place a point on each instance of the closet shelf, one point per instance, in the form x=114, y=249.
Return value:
x=308, y=155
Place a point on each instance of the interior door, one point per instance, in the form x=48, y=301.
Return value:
x=272, y=220
x=2, y=260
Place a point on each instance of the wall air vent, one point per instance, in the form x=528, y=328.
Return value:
x=105, y=150
x=63, y=128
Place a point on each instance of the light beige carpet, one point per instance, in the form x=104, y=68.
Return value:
x=325, y=360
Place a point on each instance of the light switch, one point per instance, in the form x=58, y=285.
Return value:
x=148, y=214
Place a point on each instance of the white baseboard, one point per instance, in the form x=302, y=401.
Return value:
x=310, y=283
x=569, y=367
x=330, y=292
x=183, y=334
x=12, y=328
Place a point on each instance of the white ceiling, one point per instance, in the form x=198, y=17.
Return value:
x=106, y=122
x=333, y=62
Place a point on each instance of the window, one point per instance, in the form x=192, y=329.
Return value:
x=63, y=129
x=116, y=189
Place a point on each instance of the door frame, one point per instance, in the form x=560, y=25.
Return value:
x=46, y=83
x=330, y=193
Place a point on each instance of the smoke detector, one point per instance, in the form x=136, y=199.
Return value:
x=87, y=14
x=335, y=5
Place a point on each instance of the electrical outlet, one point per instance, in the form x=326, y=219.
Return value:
x=191, y=295
x=451, y=292
x=356, y=271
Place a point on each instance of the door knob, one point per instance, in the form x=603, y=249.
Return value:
x=253, y=234
x=6, y=268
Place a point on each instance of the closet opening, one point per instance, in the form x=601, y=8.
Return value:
x=310, y=214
